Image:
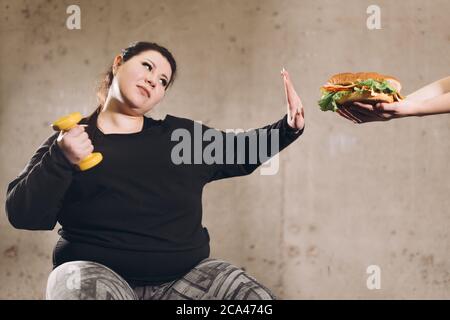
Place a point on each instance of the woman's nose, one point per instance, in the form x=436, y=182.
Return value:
x=151, y=79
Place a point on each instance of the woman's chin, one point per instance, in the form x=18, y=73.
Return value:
x=136, y=102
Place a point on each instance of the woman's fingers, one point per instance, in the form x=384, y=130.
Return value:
x=290, y=103
x=364, y=106
x=365, y=117
x=365, y=112
x=295, y=111
x=342, y=114
x=290, y=110
x=290, y=91
x=294, y=101
x=378, y=107
x=346, y=112
x=387, y=107
x=290, y=87
x=286, y=93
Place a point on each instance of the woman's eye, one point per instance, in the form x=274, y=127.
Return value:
x=147, y=65
x=164, y=82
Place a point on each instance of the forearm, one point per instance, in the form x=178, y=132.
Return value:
x=246, y=155
x=430, y=91
x=34, y=197
x=437, y=105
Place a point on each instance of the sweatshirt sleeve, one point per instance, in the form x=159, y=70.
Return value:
x=34, y=197
x=262, y=136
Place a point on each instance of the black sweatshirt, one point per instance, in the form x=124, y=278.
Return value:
x=136, y=211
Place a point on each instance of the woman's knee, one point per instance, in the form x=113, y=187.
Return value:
x=219, y=279
x=87, y=280
x=250, y=289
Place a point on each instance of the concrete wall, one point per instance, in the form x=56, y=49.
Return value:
x=345, y=196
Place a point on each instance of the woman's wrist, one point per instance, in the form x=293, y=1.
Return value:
x=411, y=108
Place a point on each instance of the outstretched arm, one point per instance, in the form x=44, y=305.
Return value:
x=284, y=131
x=432, y=90
x=428, y=100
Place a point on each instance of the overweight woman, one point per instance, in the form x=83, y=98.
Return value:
x=131, y=227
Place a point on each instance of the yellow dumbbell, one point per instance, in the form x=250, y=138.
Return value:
x=65, y=124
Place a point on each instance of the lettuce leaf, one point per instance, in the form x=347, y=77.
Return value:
x=328, y=100
x=325, y=101
x=376, y=86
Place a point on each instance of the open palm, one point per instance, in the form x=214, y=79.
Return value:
x=295, y=112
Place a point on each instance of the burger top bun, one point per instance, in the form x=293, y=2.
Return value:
x=350, y=78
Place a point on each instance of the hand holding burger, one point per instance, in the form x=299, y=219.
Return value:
x=363, y=97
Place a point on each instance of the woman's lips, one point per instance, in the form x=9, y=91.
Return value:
x=144, y=91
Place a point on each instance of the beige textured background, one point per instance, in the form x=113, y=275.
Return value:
x=345, y=197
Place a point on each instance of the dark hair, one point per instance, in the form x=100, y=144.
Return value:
x=133, y=49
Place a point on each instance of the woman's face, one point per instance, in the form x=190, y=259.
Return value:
x=140, y=82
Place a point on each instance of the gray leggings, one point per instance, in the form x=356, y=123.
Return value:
x=211, y=279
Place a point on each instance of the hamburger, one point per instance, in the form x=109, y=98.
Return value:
x=365, y=87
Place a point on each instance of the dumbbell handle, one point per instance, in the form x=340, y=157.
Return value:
x=68, y=122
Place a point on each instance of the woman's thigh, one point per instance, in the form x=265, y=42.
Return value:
x=87, y=280
x=211, y=279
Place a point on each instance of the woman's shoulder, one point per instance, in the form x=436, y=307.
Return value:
x=87, y=119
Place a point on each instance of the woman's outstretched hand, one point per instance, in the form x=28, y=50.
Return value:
x=362, y=112
x=295, y=112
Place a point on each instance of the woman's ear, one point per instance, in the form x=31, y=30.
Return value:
x=116, y=64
